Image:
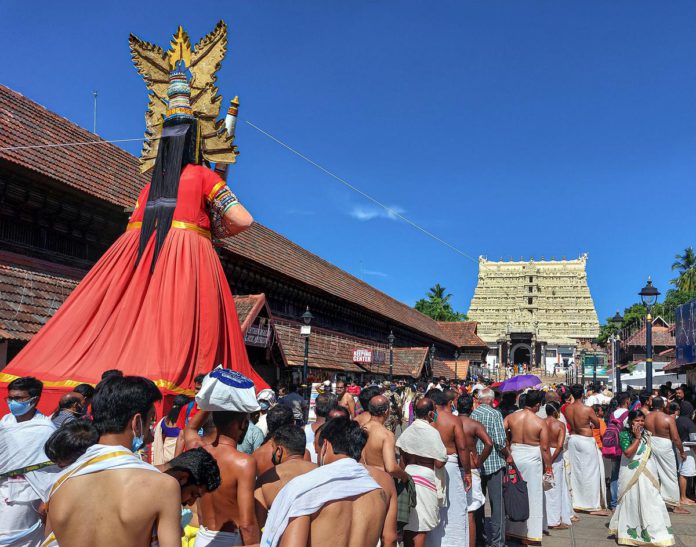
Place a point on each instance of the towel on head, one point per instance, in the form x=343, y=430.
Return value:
x=227, y=390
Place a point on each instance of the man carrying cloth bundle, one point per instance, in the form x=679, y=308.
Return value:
x=227, y=516
x=423, y=451
x=26, y=474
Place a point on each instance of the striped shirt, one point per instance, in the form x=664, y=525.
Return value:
x=492, y=420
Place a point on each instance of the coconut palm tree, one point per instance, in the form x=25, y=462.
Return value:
x=685, y=264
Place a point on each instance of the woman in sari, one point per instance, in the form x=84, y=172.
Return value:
x=166, y=432
x=641, y=516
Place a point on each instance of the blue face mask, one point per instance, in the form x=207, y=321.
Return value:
x=20, y=408
x=138, y=440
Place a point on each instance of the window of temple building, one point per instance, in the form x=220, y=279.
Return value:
x=530, y=300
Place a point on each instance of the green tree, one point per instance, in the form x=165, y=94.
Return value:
x=685, y=264
x=436, y=304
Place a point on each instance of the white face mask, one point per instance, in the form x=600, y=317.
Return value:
x=322, y=455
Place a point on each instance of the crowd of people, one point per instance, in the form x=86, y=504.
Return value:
x=375, y=464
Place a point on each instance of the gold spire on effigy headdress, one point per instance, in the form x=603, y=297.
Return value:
x=154, y=65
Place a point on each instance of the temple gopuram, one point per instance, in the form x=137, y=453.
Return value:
x=533, y=312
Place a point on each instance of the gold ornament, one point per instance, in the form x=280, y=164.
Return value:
x=154, y=65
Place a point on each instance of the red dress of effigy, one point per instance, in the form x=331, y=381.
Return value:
x=167, y=325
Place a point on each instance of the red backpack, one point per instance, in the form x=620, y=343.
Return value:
x=611, y=447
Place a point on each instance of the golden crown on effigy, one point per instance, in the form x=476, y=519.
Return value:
x=167, y=71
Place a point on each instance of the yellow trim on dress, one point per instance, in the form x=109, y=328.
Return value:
x=137, y=224
x=215, y=190
x=162, y=384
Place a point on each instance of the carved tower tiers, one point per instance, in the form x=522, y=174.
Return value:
x=533, y=311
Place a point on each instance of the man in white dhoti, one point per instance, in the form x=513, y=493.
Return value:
x=530, y=451
x=423, y=451
x=586, y=466
x=665, y=438
x=132, y=503
x=559, y=510
x=25, y=471
x=474, y=432
x=453, y=529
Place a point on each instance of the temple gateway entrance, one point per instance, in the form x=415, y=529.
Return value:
x=521, y=353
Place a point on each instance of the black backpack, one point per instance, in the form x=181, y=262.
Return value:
x=515, y=495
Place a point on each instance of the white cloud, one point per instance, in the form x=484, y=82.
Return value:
x=374, y=273
x=371, y=212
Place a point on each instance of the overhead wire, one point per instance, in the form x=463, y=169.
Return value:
x=390, y=210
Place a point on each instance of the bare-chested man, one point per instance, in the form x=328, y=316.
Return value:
x=364, y=398
x=665, y=435
x=529, y=446
x=288, y=446
x=353, y=507
x=227, y=516
x=586, y=465
x=89, y=506
x=345, y=399
x=559, y=514
x=380, y=449
x=453, y=529
x=473, y=432
x=277, y=417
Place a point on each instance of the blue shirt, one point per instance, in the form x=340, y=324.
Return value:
x=252, y=440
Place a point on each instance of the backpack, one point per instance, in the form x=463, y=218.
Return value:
x=610, y=441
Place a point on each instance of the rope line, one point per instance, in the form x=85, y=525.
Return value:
x=367, y=196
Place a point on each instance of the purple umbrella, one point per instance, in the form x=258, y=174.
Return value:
x=518, y=383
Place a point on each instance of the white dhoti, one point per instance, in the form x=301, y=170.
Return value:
x=425, y=516
x=688, y=468
x=23, y=489
x=586, y=474
x=453, y=530
x=559, y=508
x=211, y=538
x=475, y=497
x=528, y=461
x=20, y=524
x=663, y=454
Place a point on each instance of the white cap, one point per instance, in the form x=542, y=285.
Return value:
x=227, y=390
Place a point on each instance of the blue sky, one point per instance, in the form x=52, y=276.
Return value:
x=509, y=129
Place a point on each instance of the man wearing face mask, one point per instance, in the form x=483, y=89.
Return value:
x=23, y=433
x=70, y=407
x=288, y=448
x=88, y=506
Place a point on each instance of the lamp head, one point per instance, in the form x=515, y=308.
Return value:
x=649, y=294
x=391, y=338
x=307, y=317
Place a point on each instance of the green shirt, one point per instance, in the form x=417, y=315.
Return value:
x=625, y=439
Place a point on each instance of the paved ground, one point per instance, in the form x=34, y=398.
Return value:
x=592, y=531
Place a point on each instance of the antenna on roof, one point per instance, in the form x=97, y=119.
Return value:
x=94, y=123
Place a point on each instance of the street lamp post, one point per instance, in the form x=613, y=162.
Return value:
x=431, y=355
x=391, y=339
x=305, y=331
x=456, y=363
x=616, y=350
x=648, y=295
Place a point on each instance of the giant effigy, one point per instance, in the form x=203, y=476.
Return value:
x=157, y=304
